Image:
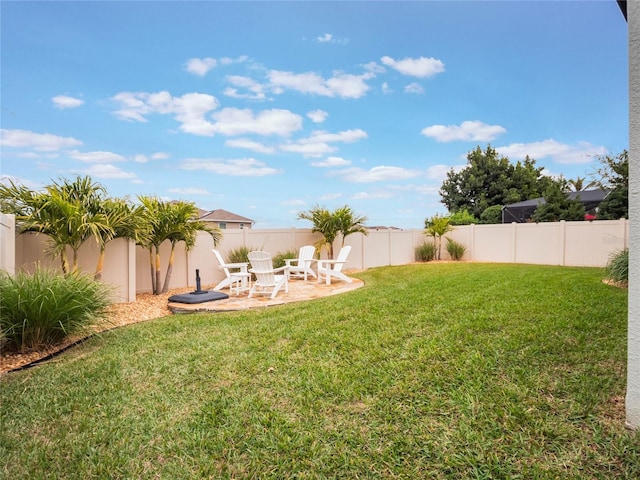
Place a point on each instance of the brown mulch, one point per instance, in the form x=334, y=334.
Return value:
x=146, y=307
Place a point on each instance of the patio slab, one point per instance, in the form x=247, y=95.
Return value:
x=299, y=291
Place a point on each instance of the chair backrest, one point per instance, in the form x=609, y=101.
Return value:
x=262, y=268
x=306, y=255
x=342, y=257
x=221, y=261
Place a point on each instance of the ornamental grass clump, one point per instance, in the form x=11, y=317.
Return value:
x=618, y=267
x=455, y=249
x=46, y=307
x=426, y=252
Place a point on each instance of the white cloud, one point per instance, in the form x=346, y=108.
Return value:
x=235, y=121
x=250, y=145
x=108, y=172
x=97, y=157
x=317, y=144
x=376, y=174
x=413, y=88
x=63, y=101
x=329, y=38
x=386, y=89
x=332, y=162
x=190, y=109
x=42, y=142
x=582, y=152
x=189, y=191
x=416, y=67
x=160, y=156
x=371, y=195
x=256, y=89
x=470, y=130
x=318, y=116
x=340, y=85
x=200, y=66
x=243, y=167
x=439, y=172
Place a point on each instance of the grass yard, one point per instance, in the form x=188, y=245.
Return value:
x=453, y=370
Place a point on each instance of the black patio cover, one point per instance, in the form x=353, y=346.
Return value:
x=521, y=212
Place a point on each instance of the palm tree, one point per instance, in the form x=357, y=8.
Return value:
x=125, y=221
x=436, y=227
x=578, y=185
x=183, y=218
x=349, y=222
x=67, y=212
x=173, y=221
x=331, y=224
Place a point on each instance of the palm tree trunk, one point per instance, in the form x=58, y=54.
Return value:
x=65, y=262
x=100, y=266
x=152, y=269
x=158, y=276
x=75, y=261
x=167, y=277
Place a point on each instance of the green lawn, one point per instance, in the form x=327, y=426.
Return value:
x=454, y=370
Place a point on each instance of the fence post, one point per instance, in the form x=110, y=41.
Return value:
x=563, y=236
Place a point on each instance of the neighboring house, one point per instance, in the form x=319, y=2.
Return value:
x=226, y=220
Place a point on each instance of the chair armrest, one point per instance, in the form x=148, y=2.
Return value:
x=289, y=260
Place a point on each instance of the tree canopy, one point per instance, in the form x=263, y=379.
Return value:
x=490, y=179
x=613, y=174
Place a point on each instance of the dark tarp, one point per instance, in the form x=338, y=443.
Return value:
x=521, y=212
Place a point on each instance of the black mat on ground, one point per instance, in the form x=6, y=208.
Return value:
x=198, y=297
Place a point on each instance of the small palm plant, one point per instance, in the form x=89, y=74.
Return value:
x=618, y=267
x=436, y=227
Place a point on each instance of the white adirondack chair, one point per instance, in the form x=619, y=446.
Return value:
x=237, y=277
x=301, y=266
x=269, y=280
x=333, y=268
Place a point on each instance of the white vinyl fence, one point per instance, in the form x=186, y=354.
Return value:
x=127, y=266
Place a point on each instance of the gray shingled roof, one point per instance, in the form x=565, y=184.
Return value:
x=221, y=215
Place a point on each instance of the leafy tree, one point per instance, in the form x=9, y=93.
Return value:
x=492, y=214
x=613, y=174
x=490, y=179
x=331, y=224
x=462, y=217
x=436, y=227
x=558, y=207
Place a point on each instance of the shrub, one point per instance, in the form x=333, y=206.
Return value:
x=46, y=307
x=491, y=214
x=618, y=266
x=462, y=217
x=278, y=259
x=456, y=250
x=426, y=252
x=240, y=254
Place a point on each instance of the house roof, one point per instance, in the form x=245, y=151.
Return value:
x=521, y=211
x=221, y=215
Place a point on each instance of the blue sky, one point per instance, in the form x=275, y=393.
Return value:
x=271, y=108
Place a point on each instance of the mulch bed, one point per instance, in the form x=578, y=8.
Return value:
x=146, y=307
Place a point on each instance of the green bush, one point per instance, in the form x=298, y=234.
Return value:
x=426, y=252
x=618, y=266
x=278, y=258
x=462, y=217
x=239, y=255
x=456, y=250
x=46, y=307
x=491, y=214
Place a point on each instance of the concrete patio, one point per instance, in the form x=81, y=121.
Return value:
x=299, y=291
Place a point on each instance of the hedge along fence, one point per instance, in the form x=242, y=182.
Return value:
x=562, y=243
